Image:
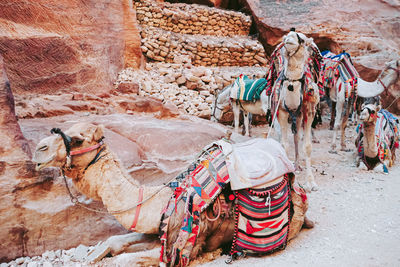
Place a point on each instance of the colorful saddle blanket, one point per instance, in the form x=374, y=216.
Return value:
x=337, y=67
x=262, y=219
x=197, y=187
x=247, y=89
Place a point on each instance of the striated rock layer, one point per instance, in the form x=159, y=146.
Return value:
x=53, y=46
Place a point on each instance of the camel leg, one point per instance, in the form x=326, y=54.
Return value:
x=236, y=113
x=343, y=127
x=333, y=115
x=283, y=122
x=311, y=185
x=132, y=242
x=296, y=138
x=246, y=120
x=338, y=118
x=393, y=157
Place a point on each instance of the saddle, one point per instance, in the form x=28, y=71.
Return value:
x=247, y=89
x=256, y=163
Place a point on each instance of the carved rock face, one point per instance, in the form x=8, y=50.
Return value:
x=50, y=46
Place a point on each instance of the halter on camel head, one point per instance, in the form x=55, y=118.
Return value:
x=67, y=142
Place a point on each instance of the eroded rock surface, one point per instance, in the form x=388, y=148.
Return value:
x=53, y=46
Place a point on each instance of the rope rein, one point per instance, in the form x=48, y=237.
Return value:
x=76, y=201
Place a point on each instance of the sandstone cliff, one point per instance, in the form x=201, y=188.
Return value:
x=55, y=46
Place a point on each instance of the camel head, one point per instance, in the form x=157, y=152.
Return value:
x=52, y=151
x=294, y=41
x=392, y=71
x=220, y=104
x=369, y=112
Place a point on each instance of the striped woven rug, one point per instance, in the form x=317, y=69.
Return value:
x=262, y=219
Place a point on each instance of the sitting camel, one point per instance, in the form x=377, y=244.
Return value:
x=378, y=137
x=95, y=171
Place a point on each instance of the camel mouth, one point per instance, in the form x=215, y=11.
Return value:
x=41, y=165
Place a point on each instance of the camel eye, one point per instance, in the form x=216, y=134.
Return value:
x=43, y=148
x=372, y=111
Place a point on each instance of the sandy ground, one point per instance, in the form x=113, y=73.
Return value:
x=357, y=214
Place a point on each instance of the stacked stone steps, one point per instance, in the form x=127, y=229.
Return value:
x=192, y=19
x=208, y=36
x=166, y=46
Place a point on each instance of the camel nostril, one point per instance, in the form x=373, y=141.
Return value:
x=290, y=88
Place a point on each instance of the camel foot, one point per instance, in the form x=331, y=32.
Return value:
x=315, y=141
x=314, y=187
x=357, y=163
x=308, y=224
x=332, y=151
x=346, y=149
x=309, y=187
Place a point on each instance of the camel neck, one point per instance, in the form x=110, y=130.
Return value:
x=108, y=182
x=386, y=79
x=295, y=65
x=370, y=146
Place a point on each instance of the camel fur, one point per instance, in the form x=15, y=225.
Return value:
x=222, y=102
x=294, y=101
x=107, y=181
x=375, y=133
x=388, y=76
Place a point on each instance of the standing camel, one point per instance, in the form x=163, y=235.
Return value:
x=340, y=92
x=295, y=93
x=96, y=173
x=223, y=100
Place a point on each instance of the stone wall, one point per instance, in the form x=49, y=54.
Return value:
x=192, y=19
x=191, y=89
x=166, y=46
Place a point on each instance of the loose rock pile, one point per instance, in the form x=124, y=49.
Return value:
x=47, y=259
x=192, y=19
x=189, y=88
x=166, y=46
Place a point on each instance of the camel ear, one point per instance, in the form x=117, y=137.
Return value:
x=98, y=133
x=308, y=41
